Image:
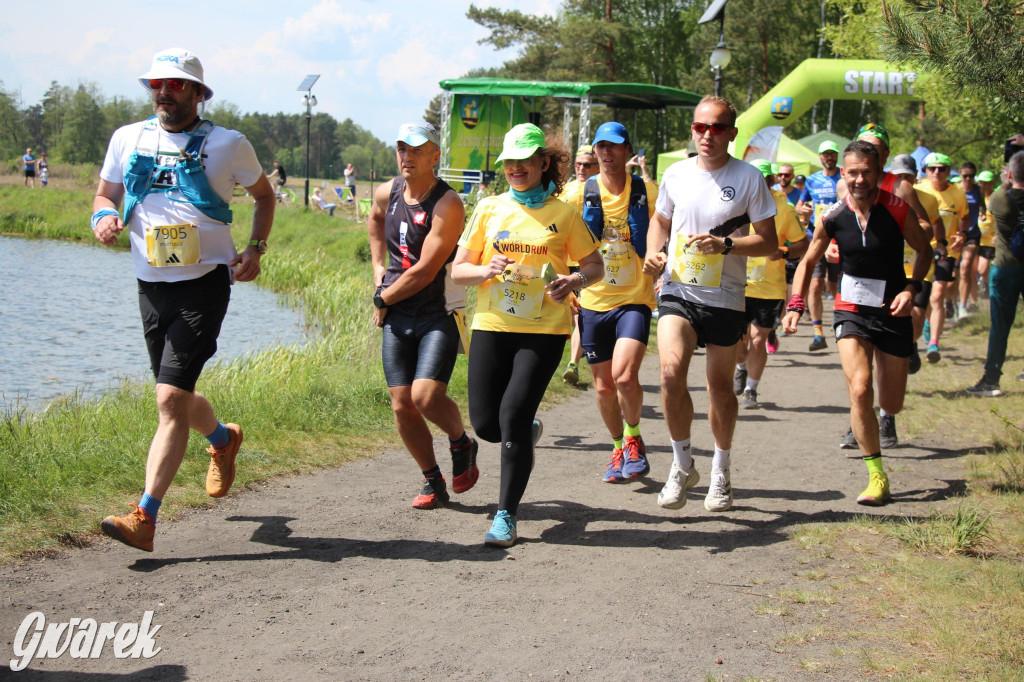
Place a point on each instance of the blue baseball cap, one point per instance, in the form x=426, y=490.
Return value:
x=611, y=132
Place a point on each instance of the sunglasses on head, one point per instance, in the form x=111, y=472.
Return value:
x=715, y=128
x=175, y=84
x=938, y=169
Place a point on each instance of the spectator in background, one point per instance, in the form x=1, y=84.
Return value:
x=319, y=202
x=1005, y=280
x=350, y=182
x=44, y=169
x=29, y=166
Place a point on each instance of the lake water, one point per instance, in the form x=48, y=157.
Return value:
x=69, y=320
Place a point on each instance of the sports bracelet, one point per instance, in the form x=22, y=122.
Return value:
x=586, y=282
x=796, y=304
x=100, y=215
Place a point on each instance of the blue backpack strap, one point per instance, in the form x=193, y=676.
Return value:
x=639, y=215
x=593, y=212
x=192, y=181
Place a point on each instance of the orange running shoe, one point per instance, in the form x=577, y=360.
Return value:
x=221, y=473
x=135, y=529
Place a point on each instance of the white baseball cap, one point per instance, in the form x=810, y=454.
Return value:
x=418, y=133
x=176, y=62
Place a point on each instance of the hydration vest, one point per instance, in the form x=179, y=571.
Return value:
x=191, y=176
x=639, y=219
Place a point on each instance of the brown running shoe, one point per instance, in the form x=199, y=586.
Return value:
x=135, y=529
x=221, y=473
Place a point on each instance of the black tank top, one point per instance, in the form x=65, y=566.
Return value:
x=405, y=228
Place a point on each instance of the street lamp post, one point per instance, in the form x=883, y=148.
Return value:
x=720, y=56
x=308, y=101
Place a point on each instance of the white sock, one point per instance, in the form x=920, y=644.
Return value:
x=681, y=453
x=741, y=366
x=720, y=460
x=752, y=383
x=882, y=413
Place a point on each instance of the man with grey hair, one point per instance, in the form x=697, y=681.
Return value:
x=1005, y=279
x=414, y=226
x=175, y=173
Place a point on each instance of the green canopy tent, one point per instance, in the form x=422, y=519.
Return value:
x=477, y=112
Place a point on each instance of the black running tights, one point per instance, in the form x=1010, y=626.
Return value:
x=508, y=374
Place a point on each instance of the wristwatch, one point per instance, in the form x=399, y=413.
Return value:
x=727, y=242
x=378, y=300
x=916, y=283
x=260, y=244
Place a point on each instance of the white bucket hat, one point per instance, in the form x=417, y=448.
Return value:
x=176, y=62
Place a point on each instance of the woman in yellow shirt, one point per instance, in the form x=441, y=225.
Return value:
x=515, y=248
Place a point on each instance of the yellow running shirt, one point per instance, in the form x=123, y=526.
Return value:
x=624, y=279
x=952, y=207
x=767, y=278
x=515, y=301
x=931, y=207
x=987, y=225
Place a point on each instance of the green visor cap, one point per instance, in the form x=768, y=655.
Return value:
x=828, y=146
x=522, y=142
x=936, y=159
x=986, y=176
x=762, y=165
x=874, y=130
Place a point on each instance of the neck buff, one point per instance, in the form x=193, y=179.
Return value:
x=533, y=197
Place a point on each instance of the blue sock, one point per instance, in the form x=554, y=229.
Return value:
x=150, y=505
x=460, y=442
x=220, y=437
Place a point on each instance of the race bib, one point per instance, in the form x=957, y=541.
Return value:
x=172, y=245
x=863, y=291
x=756, y=267
x=696, y=269
x=518, y=291
x=619, y=264
x=820, y=209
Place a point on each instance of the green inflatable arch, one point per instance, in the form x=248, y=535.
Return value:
x=818, y=79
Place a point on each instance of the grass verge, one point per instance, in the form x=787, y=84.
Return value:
x=939, y=596
x=65, y=468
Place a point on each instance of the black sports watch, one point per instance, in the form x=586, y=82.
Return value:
x=727, y=242
x=378, y=300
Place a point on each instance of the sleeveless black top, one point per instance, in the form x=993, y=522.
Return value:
x=405, y=228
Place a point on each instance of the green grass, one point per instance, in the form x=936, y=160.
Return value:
x=62, y=470
x=939, y=596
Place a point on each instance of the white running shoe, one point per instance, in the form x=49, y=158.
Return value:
x=673, y=495
x=719, y=497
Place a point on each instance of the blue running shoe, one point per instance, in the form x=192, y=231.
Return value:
x=926, y=332
x=636, y=457
x=613, y=474
x=503, y=530
x=538, y=430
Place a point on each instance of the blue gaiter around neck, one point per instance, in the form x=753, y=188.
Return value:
x=534, y=197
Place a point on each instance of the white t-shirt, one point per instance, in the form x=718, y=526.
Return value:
x=227, y=158
x=348, y=177
x=723, y=202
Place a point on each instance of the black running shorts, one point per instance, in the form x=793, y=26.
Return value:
x=181, y=322
x=891, y=335
x=717, y=326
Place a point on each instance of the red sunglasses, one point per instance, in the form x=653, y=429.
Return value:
x=175, y=84
x=715, y=128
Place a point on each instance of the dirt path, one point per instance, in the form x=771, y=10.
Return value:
x=334, y=576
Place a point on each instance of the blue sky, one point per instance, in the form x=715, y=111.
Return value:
x=379, y=62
